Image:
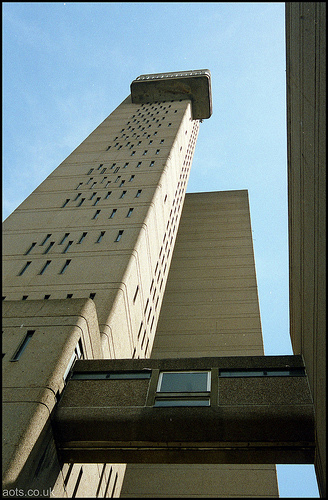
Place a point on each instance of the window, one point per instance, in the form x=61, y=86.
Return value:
x=100, y=236
x=152, y=163
x=123, y=193
x=45, y=239
x=51, y=244
x=66, y=235
x=67, y=263
x=108, y=195
x=77, y=354
x=77, y=196
x=82, y=200
x=103, y=170
x=82, y=237
x=135, y=294
x=130, y=212
x=123, y=375
x=23, y=345
x=67, y=246
x=113, y=213
x=31, y=248
x=183, y=389
x=138, y=193
x=24, y=268
x=260, y=372
x=119, y=235
x=64, y=205
x=45, y=266
x=97, y=201
x=79, y=184
x=122, y=183
x=47, y=296
x=92, y=295
x=131, y=178
x=90, y=171
x=92, y=196
x=96, y=214
x=139, y=164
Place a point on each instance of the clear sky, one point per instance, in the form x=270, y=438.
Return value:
x=68, y=65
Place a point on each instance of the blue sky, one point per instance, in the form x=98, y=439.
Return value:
x=67, y=66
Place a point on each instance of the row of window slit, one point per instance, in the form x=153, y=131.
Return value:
x=97, y=200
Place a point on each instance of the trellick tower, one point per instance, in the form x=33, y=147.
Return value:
x=86, y=261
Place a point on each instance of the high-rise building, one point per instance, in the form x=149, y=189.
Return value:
x=109, y=261
x=86, y=261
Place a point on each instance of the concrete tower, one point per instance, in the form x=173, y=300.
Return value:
x=86, y=261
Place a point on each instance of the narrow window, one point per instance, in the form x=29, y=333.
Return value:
x=24, y=297
x=93, y=184
x=97, y=201
x=133, y=153
x=82, y=200
x=79, y=184
x=113, y=213
x=123, y=193
x=108, y=195
x=82, y=237
x=108, y=148
x=100, y=236
x=117, y=178
x=162, y=140
x=51, y=244
x=136, y=294
x=152, y=163
x=64, y=238
x=101, y=164
x=145, y=152
x=107, y=183
x=46, y=297
x=90, y=171
x=131, y=178
x=45, y=239
x=92, y=296
x=91, y=178
x=130, y=212
x=92, y=196
x=65, y=266
x=157, y=151
x=22, y=345
x=139, y=164
x=103, y=180
x=45, y=266
x=67, y=246
x=116, y=169
x=96, y=214
x=138, y=193
x=69, y=296
x=119, y=235
x=126, y=165
x=64, y=205
x=24, y=268
x=31, y=248
x=77, y=196
x=103, y=170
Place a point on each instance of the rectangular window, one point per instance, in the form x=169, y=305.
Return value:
x=119, y=235
x=79, y=184
x=82, y=200
x=92, y=196
x=31, y=248
x=45, y=266
x=131, y=178
x=108, y=195
x=103, y=170
x=51, y=244
x=138, y=193
x=97, y=201
x=119, y=375
x=183, y=389
x=24, y=268
x=130, y=212
x=113, y=213
x=82, y=237
x=258, y=372
x=135, y=294
x=66, y=235
x=123, y=194
x=77, y=196
x=45, y=239
x=23, y=345
x=90, y=171
x=96, y=214
x=67, y=246
x=67, y=263
x=100, y=236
